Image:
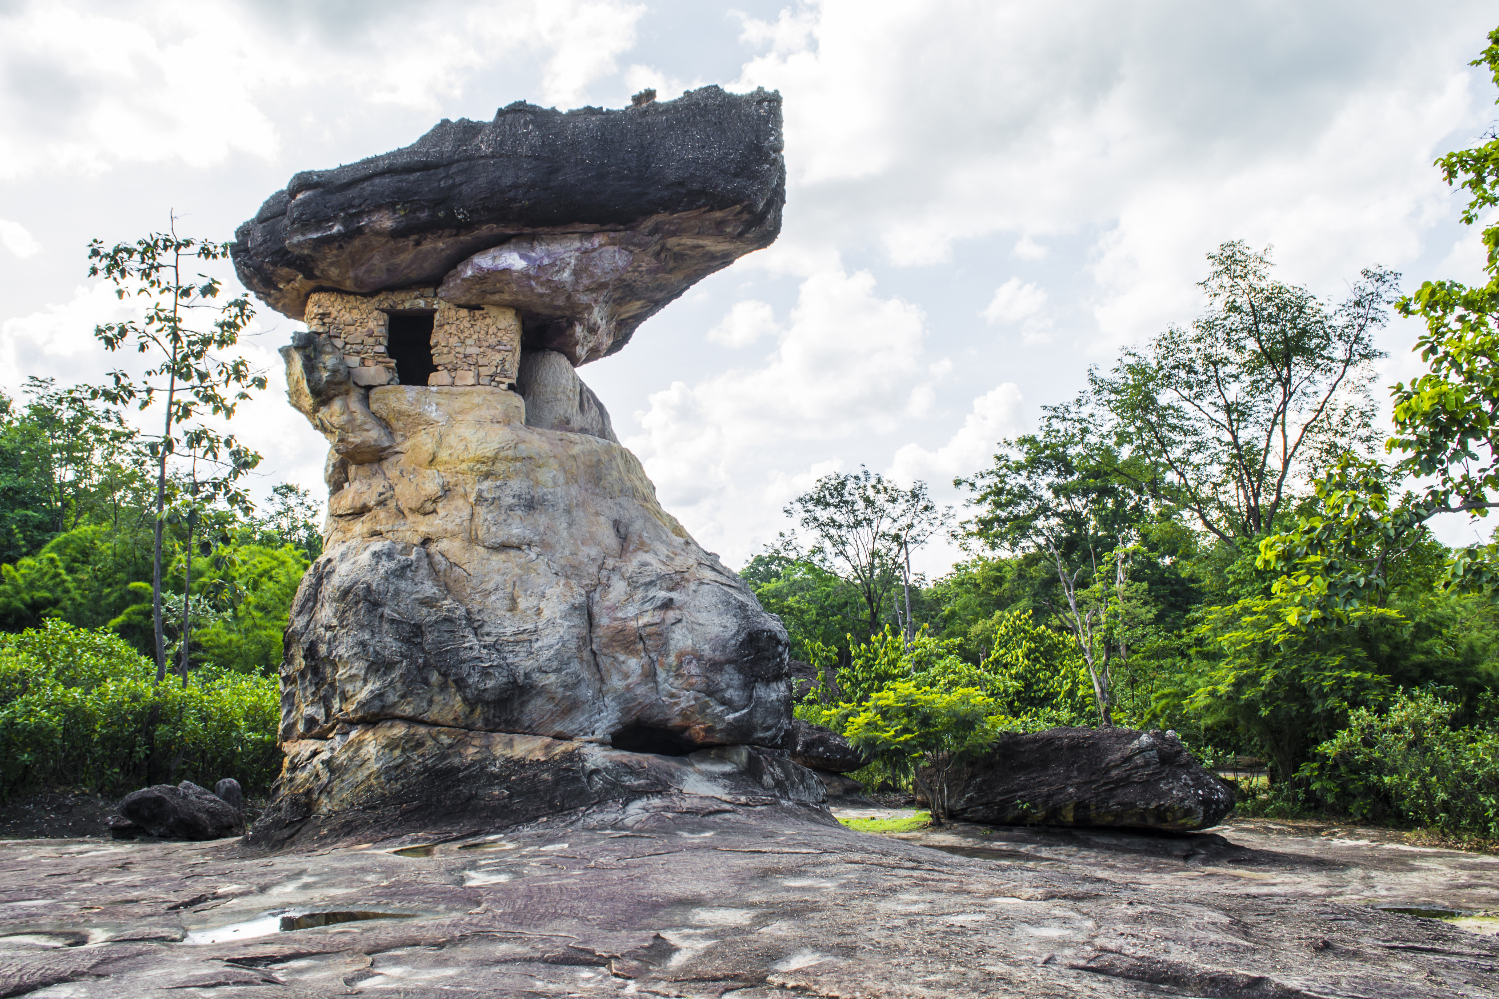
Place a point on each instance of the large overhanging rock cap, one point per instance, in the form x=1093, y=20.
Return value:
x=587, y=222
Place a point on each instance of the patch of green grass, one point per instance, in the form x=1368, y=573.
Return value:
x=912, y=823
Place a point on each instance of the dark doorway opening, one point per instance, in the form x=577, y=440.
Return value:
x=409, y=344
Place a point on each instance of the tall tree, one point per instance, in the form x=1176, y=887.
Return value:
x=185, y=372
x=1244, y=405
x=863, y=528
x=1074, y=492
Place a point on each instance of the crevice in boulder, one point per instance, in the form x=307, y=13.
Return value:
x=638, y=738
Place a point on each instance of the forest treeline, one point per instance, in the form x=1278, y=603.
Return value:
x=1220, y=535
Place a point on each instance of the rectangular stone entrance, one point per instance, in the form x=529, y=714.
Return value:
x=409, y=344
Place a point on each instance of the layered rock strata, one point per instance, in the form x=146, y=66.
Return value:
x=478, y=346
x=504, y=623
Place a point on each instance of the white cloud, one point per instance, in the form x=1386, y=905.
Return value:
x=847, y=363
x=745, y=323
x=1166, y=127
x=164, y=82
x=1015, y=301
x=1028, y=249
x=995, y=415
x=17, y=240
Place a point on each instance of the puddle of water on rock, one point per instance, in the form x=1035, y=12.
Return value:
x=283, y=921
x=498, y=844
x=415, y=851
x=1424, y=913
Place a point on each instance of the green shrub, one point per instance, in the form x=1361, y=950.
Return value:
x=81, y=708
x=1409, y=764
x=924, y=731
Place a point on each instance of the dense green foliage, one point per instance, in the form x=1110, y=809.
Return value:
x=1208, y=539
x=82, y=708
x=81, y=540
x=121, y=551
x=1411, y=762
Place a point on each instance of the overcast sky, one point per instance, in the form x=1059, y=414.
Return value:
x=984, y=198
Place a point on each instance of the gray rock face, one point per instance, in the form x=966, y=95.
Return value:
x=822, y=748
x=587, y=222
x=749, y=903
x=557, y=399
x=1093, y=777
x=185, y=811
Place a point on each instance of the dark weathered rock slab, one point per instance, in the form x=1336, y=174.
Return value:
x=1093, y=777
x=185, y=811
x=823, y=749
x=588, y=222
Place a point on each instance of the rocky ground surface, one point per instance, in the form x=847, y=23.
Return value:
x=752, y=905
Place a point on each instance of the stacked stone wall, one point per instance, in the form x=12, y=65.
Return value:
x=479, y=346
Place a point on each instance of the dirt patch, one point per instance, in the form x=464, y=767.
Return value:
x=56, y=815
x=70, y=814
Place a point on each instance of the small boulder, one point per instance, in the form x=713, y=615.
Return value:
x=1092, y=777
x=823, y=749
x=186, y=811
x=228, y=791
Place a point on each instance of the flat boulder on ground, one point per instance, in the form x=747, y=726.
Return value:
x=185, y=811
x=1093, y=777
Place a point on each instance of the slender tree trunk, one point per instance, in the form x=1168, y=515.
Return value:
x=910, y=631
x=1081, y=624
x=161, y=499
x=187, y=585
x=161, y=482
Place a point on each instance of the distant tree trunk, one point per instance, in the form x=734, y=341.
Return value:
x=910, y=630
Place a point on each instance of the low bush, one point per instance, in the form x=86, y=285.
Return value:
x=81, y=708
x=1408, y=763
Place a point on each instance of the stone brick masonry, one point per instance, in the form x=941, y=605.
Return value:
x=469, y=346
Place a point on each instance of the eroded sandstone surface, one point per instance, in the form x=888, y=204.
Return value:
x=751, y=905
x=504, y=623
x=500, y=614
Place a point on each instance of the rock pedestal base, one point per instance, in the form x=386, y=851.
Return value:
x=396, y=779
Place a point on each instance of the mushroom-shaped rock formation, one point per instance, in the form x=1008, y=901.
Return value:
x=586, y=222
x=504, y=624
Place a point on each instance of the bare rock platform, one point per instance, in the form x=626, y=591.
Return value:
x=750, y=904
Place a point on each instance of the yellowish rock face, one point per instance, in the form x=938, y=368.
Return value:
x=482, y=574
